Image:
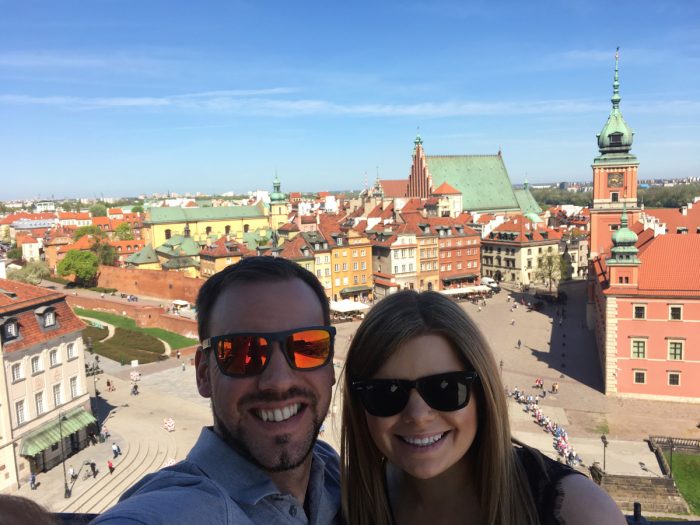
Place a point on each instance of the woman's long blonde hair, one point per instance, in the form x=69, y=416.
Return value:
x=504, y=495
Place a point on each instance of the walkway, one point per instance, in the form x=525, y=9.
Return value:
x=111, y=328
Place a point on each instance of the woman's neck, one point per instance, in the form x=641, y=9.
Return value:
x=449, y=497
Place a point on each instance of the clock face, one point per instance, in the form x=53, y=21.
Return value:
x=615, y=180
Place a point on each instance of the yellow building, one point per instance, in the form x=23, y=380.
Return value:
x=351, y=265
x=163, y=223
x=217, y=255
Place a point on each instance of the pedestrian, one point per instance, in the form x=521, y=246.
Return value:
x=178, y=354
x=110, y=466
x=268, y=402
x=519, y=344
x=71, y=473
x=119, y=450
x=93, y=468
x=115, y=450
x=183, y=367
x=32, y=481
x=512, y=322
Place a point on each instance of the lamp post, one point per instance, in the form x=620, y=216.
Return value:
x=66, y=492
x=500, y=365
x=673, y=447
x=605, y=442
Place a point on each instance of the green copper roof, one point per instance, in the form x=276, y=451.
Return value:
x=174, y=215
x=146, y=255
x=624, y=240
x=180, y=262
x=52, y=431
x=482, y=180
x=616, y=136
x=178, y=246
x=528, y=203
x=277, y=195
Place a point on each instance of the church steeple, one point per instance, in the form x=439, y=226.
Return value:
x=624, y=240
x=616, y=136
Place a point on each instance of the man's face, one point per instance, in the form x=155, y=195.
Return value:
x=244, y=408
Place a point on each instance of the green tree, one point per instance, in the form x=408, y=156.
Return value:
x=106, y=253
x=93, y=230
x=137, y=209
x=550, y=268
x=82, y=264
x=98, y=210
x=32, y=273
x=14, y=253
x=124, y=232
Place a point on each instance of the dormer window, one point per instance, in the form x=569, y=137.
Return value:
x=10, y=329
x=47, y=315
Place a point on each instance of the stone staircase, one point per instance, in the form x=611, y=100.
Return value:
x=656, y=494
x=139, y=457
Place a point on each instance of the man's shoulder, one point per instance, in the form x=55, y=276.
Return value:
x=178, y=494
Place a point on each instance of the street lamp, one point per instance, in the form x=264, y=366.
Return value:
x=501, y=367
x=604, y=439
x=66, y=492
x=673, y=447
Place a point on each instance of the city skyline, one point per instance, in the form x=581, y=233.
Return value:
x=118, y=98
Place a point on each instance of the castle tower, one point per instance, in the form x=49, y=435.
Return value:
x=623, y=265
x=614, y=175
x=279, y=207
x=420, y=183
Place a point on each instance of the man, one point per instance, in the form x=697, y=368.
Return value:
x=266, y=363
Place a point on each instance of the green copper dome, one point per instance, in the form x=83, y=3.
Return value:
x=277, y=195
x=624, y=240
x=616, y=136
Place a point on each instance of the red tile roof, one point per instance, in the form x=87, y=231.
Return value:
x=74, y=216
x=674, y=219
x=670, y=264
x=22, y=306
x=521, y=226
x=12, y=217
x=446, y=189
x=394, y=188
x=223, y=247
x=292, y=249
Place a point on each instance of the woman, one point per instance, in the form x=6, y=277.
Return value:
x=425, y=435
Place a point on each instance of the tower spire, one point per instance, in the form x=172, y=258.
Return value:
x=616, y=83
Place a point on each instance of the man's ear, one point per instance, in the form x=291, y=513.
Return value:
x=201, y=363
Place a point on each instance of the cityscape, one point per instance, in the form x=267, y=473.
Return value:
x=579, y=265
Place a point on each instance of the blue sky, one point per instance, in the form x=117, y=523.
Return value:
x=121, y=97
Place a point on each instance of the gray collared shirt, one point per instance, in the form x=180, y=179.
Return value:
x=216, y=485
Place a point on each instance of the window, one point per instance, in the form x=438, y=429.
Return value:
x=345, y=267
x=74, y=387
x=319, y=273
x=17, y=372
x=354, y=253
x=362, y=253
x=345, y=281
x=336, y=267
x=354, y=266
x=639, y=349
x=529, y=251
x=57, y=395
x=675, y=350
x=39, y=401
x=10, y=329
x=54, y=358
x=675, y=313
x=364, y=278
x=168, y=234
x=615, y=196
x=640, y=312
x=354, y=279
x=72, y=354
x=36, y=364
x=674, y=379
x=19, y=410
x=49, y=319
x=363, y=265
x=640, y=377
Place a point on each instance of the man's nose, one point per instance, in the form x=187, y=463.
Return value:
x=278, y=374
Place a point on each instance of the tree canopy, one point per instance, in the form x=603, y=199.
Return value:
x=124, y=232
x=137, y=209
x=82, y=264
x=106, y=253
x=93, y=230
x=32, y=273
x=98, y=210
x=550, y=268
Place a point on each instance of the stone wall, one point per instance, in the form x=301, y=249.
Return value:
x=164, y=285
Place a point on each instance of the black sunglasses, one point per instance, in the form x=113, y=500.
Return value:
x=246, y=354
x=387, y=397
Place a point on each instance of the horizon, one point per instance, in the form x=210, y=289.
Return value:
x=121, y=98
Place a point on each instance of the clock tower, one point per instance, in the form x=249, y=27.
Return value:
x=614, y=176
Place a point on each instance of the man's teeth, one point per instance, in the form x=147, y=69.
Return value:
x=279, y=414
x=423, y=442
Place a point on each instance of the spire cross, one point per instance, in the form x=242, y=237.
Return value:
x=616, y=83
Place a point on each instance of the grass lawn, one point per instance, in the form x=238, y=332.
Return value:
x=176, y=341
x=127, y=345
x=96, y=334
x=686, y=472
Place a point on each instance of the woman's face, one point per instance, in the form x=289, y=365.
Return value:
x=421, y=441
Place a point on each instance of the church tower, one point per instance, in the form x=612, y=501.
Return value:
x=614, y=176
x=420, y=183
x=279, y=207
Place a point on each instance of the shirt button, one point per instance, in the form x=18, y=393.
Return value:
x=292, y=511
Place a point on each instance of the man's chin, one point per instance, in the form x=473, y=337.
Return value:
x=283, y=455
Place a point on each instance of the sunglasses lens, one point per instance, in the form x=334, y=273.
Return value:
x=241, y=355
x=445, y=392
x=383, y=398
x=309, y=348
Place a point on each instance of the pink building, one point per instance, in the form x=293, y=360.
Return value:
x=646, y=313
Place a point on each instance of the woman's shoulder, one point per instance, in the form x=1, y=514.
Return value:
x=563, y=494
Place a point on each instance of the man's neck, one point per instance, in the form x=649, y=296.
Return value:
x=294, y=481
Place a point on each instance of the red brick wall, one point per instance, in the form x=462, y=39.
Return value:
x=151, y=283
x=145, y=316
